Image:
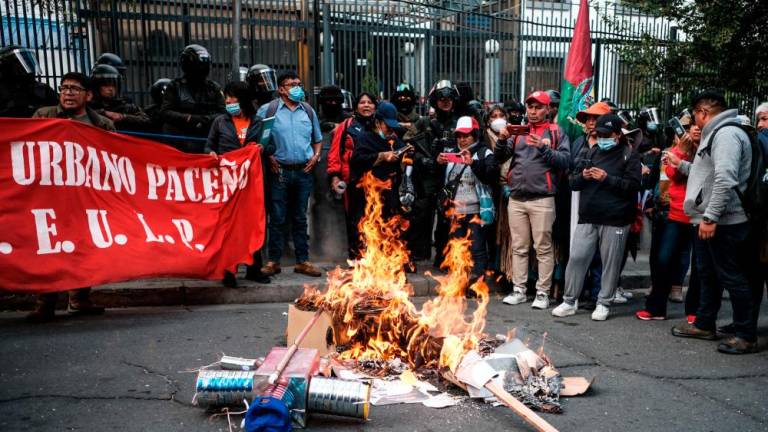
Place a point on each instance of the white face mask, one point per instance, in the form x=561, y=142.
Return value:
x=498, y=124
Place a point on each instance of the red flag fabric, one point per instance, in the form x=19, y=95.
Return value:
x=81, y=207
x=578, y=66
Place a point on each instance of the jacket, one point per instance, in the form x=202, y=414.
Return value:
x=189, y=109
x=676, y=189
x=55, y=111
x=134, y=118
x=223, y=137
x=613, y=201
x=363, y=159
x=721, y=164
x=534, y=172
x=430, y=137
x=340, y=153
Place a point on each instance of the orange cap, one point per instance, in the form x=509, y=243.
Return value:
x=597, y=109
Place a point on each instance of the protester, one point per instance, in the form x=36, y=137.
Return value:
x=192, y=102
x=538, y=158
x=345, y=139
x=430, y=136
x=156, y=93
x=298, y=142
x=608, y=178
x=107, y=101
x=472, y=201
x=672, y=232
x=375, y=152
x=724, y=256
x=231, y=131
x=20, y=93
x=74, y=95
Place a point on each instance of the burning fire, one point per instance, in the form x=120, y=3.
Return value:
x=370, y=302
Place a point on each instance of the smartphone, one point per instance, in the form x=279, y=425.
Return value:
x=519, y=129
x=453, y=157
x=401, y=151
x=675, y=124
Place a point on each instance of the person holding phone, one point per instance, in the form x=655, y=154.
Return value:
x=470, y=169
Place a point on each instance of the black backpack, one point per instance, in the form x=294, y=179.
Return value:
x=754, y=199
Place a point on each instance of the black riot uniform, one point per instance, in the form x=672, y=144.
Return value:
x=192, y=102
x=20, y=94
x=156, y=91
x=262, y=81
x=430, y=137
x=131, y=117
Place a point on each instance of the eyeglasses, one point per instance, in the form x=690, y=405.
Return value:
x=71, y=89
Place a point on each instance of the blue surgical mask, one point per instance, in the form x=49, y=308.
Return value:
x=296, y=94
x=382, y=135
x=233, y=109
x=652, y=126
x=606, y=143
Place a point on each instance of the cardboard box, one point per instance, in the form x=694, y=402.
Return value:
x=320, y=337
x=298, y=372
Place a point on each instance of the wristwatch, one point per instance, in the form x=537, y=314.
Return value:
x=707, y=220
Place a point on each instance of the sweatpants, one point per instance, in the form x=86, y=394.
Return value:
x=586, y=238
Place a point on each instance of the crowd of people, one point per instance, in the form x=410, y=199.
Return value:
x=551, y=216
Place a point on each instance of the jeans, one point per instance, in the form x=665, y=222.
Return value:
x=477, y=235
x=289, y=195
x=671, y=245
x=725, y=262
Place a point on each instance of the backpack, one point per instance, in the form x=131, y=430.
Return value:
x=754, y=199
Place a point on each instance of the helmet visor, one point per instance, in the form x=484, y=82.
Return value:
x=266, y=80
x=22, y=60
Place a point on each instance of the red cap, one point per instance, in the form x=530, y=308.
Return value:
x=539, y=96
x=466, y=125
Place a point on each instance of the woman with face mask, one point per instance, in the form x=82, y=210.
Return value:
x=239, y=127
x=345, y=138
x=608, y=177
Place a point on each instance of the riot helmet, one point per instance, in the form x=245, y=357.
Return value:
x=17, y=62
x=113, y=60
x=554, y=98
x=443, y=89
x=104, y=75
x=195, y=62
x=330, y=100
x=404, y=98
x=261, y=78
x=348, y=104
x=158, y=90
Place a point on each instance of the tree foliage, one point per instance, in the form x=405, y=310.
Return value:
x=721, y=44
x=370, y=82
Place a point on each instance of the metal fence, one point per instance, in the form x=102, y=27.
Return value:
x=502, y=48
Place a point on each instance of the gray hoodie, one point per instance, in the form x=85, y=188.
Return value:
x=721, y=163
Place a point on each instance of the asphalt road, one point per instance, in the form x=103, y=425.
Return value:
x=124, y=371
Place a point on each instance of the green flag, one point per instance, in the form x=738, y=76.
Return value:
x=577, y=92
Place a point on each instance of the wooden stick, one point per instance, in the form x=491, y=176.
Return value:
x=519, y=408
x=273, y=377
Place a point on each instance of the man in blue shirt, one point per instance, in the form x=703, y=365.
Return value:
x=298, y=140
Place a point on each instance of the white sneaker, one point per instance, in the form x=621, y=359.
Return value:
x=515, y=298
x=625, y=294
x=601, y=313
x=541, y=301
x=564, y=310
x=619, y=297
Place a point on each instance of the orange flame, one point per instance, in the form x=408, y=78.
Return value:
x=371, y=306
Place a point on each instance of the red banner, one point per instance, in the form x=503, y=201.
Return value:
x=80, y=206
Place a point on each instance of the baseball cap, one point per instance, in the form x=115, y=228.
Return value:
x=609, y=123
x=466, y=125
x=597, y=109
x=539, y=96
x=387, y=113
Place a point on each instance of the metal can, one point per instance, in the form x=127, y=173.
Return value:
x=217, y=387
x=339, y=397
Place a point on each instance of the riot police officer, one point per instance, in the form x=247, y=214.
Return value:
x=263, y=82
x=156, y=91
x=192, y=102
x=106, y=83
x=330, y=100
x=20, y=94
x=430, y=137
x=404, y=99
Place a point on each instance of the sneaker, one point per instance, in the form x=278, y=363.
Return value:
x=727, y=329
x=691, y=319
x=620, y=296
x=676, y=294
x=691, y=331
x=541, y=301
x=564, y=310
x=270, y=269
x=625, y=294
x=307, y=268
x=600, y=313
x=737, y=345
x=647, y=316
x=515, y=298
